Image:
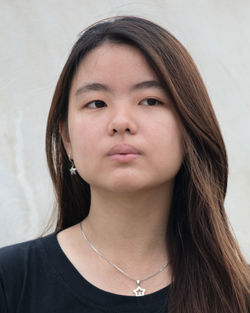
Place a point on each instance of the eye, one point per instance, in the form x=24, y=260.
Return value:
x=96, y=104
x=151, y=102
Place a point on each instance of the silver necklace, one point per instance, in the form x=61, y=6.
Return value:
x=137, y=291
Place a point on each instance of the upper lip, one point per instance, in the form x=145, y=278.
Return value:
x=123, y=149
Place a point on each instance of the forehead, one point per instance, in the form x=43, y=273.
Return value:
x=113, y=63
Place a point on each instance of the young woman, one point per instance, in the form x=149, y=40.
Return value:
x=140, y=172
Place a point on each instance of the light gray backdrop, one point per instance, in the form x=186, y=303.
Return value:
x=36, y=37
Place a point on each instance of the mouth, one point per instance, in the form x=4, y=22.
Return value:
x=123, y=153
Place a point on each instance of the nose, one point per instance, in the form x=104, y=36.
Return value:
x=122, y=121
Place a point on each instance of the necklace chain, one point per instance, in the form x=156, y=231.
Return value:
x=138, y=281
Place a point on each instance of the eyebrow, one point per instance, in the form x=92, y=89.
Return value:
x=97, y=87
x=147, y=84
x=90, y=87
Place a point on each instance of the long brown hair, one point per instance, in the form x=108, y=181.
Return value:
x=209, y=272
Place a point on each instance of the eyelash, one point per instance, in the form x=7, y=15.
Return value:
x=102, y=102
x=95, y=101
x=155, y=100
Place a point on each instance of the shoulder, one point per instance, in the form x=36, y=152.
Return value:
x=18, y=250
x=21, y=250
x=22, y=267
x=14, y=259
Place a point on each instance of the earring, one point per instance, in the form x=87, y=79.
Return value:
x=73, y=168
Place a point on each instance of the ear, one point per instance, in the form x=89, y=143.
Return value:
x=64, y=132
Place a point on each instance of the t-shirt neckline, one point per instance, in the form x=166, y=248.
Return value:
x=78, y=284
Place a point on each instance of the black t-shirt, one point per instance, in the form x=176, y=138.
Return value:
x=37, y=277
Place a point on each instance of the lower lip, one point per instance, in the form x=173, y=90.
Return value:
x=124, y=157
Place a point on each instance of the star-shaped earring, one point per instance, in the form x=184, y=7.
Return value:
x=73, y=169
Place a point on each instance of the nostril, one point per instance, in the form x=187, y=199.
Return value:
x=121, y=130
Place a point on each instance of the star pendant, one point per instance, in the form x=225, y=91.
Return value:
x=139, y=291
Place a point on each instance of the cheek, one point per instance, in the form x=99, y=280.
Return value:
x=84, y=149
x=168, y=143
x=83, y=139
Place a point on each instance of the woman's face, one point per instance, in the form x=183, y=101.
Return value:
x=122, y=131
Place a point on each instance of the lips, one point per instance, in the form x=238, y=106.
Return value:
x=123, y=149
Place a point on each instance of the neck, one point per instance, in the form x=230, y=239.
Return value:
x=130, y=226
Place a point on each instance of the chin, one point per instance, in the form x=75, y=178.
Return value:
x=126, y=189
x=129, y=186
x=118, y=185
